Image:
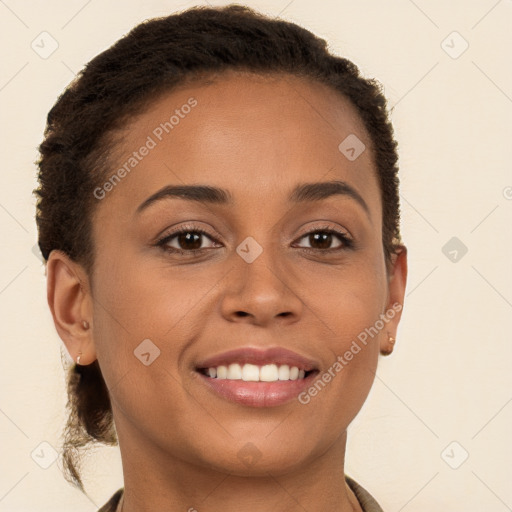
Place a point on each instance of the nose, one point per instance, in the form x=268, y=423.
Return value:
x=261, y=292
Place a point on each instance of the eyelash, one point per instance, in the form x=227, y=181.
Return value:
x=347, y=242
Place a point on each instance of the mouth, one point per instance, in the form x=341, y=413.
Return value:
x=257, y=378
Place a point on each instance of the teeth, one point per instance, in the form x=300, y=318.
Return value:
x=254, y=373
x=222, y=372
x=269, y=373
x=251, y=372
x=284, y=372
x=234, y=372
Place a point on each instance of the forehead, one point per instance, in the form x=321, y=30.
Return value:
x=258, y=136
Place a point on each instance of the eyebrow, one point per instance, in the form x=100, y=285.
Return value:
x=302, y=193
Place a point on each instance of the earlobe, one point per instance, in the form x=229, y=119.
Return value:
x=387, y=348
x=396, y=294
x=69, y=300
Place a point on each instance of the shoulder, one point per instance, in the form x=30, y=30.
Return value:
x=113, y=502
x=366, y=500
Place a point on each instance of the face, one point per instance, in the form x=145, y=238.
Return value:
x=280, y=276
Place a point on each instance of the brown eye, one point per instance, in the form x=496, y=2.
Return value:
x=185, y=241
x=323, y=240
x=189, y=240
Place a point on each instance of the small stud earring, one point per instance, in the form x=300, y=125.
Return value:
x=78, y=358
x=391, y=341
x=85, y=324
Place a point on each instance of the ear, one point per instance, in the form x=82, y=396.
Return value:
x=70, y=302
x=397, y=280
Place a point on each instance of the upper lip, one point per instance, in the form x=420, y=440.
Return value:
x=259, y=357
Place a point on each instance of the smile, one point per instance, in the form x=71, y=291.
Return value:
x=254, y=373
x=257, y=378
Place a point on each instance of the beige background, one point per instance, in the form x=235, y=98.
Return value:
x=449, y=379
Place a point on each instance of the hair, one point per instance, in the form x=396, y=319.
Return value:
x=154, y=58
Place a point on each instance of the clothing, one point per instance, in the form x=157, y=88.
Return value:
x=366, y=500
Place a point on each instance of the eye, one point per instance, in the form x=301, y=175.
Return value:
x=321, y=240
x=185, y=240
x=188, y=240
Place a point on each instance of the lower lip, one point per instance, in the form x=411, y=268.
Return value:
x=258, y=394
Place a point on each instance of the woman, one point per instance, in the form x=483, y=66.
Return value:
x=218, y=209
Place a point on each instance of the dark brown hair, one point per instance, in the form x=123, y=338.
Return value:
x=152, y=59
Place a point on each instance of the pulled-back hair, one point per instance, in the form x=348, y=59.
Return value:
x=152, y=59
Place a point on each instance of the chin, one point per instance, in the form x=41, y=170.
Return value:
x=253, y=459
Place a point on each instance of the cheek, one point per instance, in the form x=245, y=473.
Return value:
x=139, y=336
x=348, y=299
x=356, y=329
x=351, y=310
x=139, y=300
x=341, y=388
